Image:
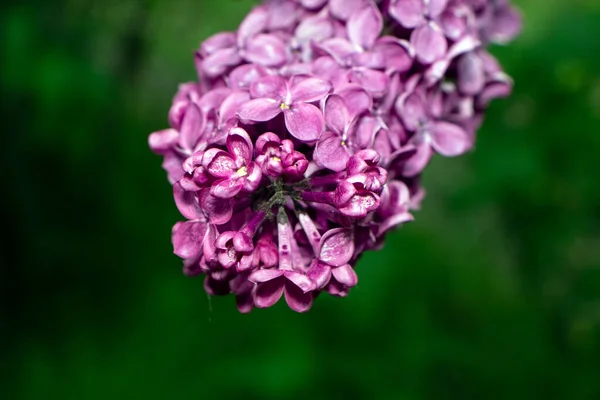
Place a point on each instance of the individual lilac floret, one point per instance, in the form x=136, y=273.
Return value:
x=303, y=143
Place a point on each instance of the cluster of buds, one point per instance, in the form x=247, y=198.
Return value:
x=302, y=143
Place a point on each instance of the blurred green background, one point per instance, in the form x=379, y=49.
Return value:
x=492, y=293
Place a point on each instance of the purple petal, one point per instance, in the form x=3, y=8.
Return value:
x=244, y=302
x=436, y=7
x=255, y=22
x=226, y=188
x=330, y=153
x=296, y=298
x=239, y=146
x=216, y=287
x=471, y=75
x=507, y=24
x=312, y=4
x=344, y=192
x=162, y=141
x=320, y=274
x=271, y=87
x=260, y=110
x=302, y=281
x=253, y=177
x=365, y=131
x=411, y=109
x=187, y=203
x=309, y=90
x=218, y=62
x=187, y=238
x=364, y=26
x=449, y=139
x=222, y=165
x=304, y=122
x=357, y=100
x=429, y=43
x=265, y=275
x=375, y=82
x=336, y=114
x=415, y=164
x=337, y=247
x=172, y=164
x=218, y=211
x=230, y=105
x=218, y=41
x=191, y=127
x=398, y=53
x=345, y=275
x=269, y=293
x=315, y=28
x=338, y=48
x=343, y=9
x=409, y=13
x=244, y=75
x=266, y=50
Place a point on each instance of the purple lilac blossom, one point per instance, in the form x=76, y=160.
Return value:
x=302, y=143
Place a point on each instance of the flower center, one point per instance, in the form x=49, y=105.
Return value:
x=276, y=159
x=284, y=106
x=242, y=172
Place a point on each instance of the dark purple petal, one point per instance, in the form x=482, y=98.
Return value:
x=260, y=110
x=297, y=299
x=191, y=127
x=269, y=293
x=337, y=247
x=304, y=122
x=300, y=280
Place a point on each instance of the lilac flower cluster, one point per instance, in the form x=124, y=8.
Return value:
x=302, y=143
